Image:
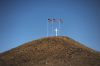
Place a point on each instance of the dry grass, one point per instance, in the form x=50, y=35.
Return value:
x=51, y=51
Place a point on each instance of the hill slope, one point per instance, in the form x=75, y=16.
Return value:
x=51, y=51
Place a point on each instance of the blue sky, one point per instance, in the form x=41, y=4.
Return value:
x=25, y=20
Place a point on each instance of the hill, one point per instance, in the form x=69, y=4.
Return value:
x=51, y=51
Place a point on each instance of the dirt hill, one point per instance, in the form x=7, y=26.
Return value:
x=51, y=51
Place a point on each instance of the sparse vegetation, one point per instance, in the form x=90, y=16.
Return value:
x=51, y=51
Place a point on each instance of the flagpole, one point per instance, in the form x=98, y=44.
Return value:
x=52, y=27
x=47, y=29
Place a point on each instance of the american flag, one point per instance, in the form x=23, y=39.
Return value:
x=49, y=19
x=55, y=20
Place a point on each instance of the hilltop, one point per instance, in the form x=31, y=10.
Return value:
x=51, y=51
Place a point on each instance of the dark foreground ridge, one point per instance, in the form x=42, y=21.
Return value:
x=51, y=51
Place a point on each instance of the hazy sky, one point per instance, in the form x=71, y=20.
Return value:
x=25, y=20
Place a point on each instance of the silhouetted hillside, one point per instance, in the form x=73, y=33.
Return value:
x=51, y=51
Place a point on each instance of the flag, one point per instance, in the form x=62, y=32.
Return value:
x=49, y=19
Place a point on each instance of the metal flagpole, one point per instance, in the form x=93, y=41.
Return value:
x=47, y=29
x=52, y=27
